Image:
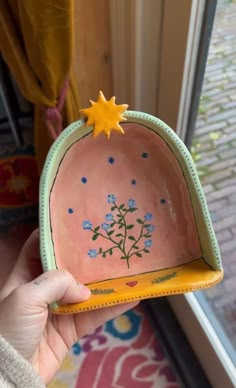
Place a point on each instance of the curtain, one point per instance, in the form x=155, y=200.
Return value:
x=37, y=42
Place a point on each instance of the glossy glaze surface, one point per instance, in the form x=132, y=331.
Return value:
x=139, y=171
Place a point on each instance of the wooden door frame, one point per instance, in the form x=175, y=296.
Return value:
x=144, y=76
x=135, y=67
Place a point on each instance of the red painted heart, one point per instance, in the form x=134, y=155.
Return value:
x=131, y=284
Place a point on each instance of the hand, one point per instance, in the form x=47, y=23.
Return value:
x=28, y=325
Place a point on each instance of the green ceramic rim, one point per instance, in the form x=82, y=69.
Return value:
x=77, y=130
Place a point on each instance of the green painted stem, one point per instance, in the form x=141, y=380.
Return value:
x=108, y=249
x=141, y=250
x=140, y=236
x=125, y=226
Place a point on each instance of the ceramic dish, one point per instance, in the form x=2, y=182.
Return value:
x=126, y=216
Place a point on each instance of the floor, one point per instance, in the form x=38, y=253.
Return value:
x=214, y=151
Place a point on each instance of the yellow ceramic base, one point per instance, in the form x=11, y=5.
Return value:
x=176, y=280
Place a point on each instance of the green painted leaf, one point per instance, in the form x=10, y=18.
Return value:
x=147, y=235
x=132, y=238
x=95, y=236
x=125, y=210
x=132, y=209
x=96, y=229
x=119, y=235
x=100, y=291
x=113, y=208
x=111, y=251
x=121, y=241
x=138, y=254
x=121, y=226
x=118, y=215
x=123, y=258
x=110, y=233
x=100, y=250
x=121, y=206
x=129, y=226
x=146, y=250
x=104, y=254
x=139, y=221
x=135, y=247
x=164, y=278
x=112, y=224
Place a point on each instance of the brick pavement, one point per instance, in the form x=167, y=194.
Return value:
x=215, y=146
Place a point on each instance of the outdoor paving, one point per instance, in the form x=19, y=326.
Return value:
x=214, y=151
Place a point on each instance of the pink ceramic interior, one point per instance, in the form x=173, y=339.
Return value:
x=155, y=227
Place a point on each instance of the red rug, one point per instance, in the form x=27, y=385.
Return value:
x=19, y=183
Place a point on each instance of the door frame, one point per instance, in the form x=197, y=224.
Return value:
x=206, y=344
x=144, y=75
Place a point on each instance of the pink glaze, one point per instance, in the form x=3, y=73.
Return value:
x=158, y=176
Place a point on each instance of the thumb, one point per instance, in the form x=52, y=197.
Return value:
x=55, y=286
x=24, y=311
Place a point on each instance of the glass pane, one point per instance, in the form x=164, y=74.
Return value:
x=214, y=151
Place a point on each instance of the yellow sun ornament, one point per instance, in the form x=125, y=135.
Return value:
x=105, y=115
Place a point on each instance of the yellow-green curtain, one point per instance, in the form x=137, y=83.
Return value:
x=37, y=43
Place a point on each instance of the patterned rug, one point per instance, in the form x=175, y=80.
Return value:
x=124, y=352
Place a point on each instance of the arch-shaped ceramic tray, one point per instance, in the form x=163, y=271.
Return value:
x=128, y=215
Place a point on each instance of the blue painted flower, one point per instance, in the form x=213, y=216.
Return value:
x=87, y=225
x=105, y=226
x=109, y=217
x=148, y=243
x=126, y=326
x=148, y=216
x=131, y=203
x=163, y=201
x=144, y=155
x=111, y=198
x=133, y=182
x=70, y=210
x=92, y=253
x=111, y=160
x=150, y=228
x=84, y=180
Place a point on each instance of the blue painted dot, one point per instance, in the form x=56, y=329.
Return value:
x=111, y=160
x=133, y=182
x=163, y=201
x=84, y=180
x=144, y=155
x=70, y=210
